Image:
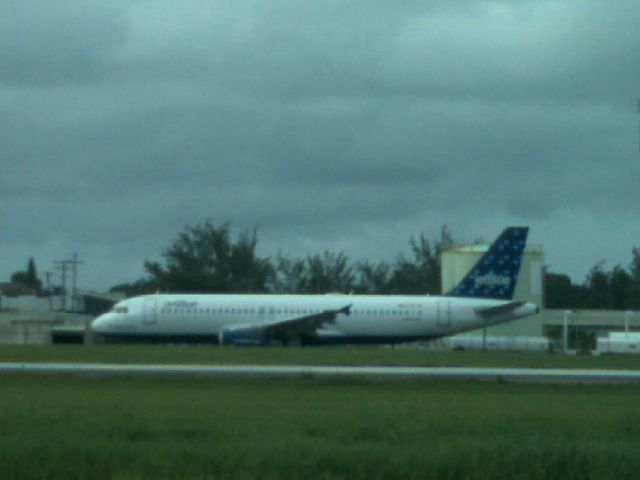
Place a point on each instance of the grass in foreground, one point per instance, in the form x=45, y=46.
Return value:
x=209, y=354
x=151, y=427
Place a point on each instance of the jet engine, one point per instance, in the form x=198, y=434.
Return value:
x=244, y=335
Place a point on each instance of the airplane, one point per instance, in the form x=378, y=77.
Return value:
x=483, y=298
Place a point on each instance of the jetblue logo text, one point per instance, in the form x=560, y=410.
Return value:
x=492, y=280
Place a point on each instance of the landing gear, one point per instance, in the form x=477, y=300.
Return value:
x=291, y=341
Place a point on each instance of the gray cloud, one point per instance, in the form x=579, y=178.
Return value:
x=327, y=125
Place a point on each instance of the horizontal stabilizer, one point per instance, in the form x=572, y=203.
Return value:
x=499, y=309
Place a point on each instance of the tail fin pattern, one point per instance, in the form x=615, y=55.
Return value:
x=496, y=273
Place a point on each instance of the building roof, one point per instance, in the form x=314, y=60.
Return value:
x=481, y=248
x=111, y=297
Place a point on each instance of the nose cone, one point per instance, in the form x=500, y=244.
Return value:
x=101, y=324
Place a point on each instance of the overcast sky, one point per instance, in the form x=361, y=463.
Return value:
x=346, y=125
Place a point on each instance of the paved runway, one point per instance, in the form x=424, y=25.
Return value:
x=510, y=374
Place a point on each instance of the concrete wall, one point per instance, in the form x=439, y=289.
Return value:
x=34, y=328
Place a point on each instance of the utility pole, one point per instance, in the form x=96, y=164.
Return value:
x=64, y=266
x=74, y=291
x=49, y=292
x=565, y=331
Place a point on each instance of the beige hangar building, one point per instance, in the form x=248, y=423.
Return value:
x=457, y=261
x=562, y=328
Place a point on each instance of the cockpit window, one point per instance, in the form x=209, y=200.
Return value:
x=121, y=309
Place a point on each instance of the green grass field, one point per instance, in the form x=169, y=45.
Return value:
x=206, y=354
x=66, y=426
x=153, y=427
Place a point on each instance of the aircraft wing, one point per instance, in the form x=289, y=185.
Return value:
x=307, y=323
x=499, y=309
x=283, y=328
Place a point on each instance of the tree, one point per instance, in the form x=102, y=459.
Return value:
x=619, y=288
x=602, y=289
x=633, y=300
x=557, y=290
x=32, y=274
x=20, y=278
x=420, y=276
x=446, y=239
x=289, y=275
x=560, y=292
x=372, y=278
x=329, y=272
x=27, y=281
x=597, y=284
x=204, y=259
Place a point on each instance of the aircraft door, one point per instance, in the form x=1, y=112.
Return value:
x=444, y=313
x=149, y=315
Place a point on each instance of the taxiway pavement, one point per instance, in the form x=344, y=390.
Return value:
x=544, y=375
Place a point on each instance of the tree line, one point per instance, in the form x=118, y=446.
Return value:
x=614, y=289
x=205, y=258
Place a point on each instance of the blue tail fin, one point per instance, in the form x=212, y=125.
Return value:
x=496, y=273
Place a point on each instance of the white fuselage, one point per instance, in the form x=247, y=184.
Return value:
x=373, y=318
